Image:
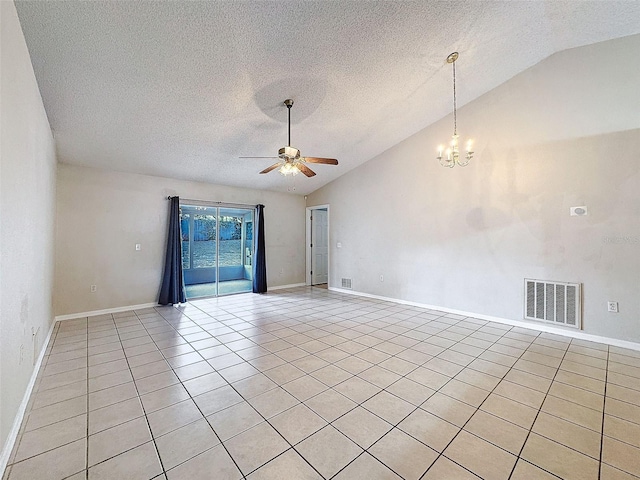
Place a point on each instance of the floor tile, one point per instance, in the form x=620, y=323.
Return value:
x=464, y=392
x=113, y=441
x=173, y=417
x=204, y=383
x=52, y=436
x=186, y=442
x=622, y=430
x=216, y=400
x=568, y=434
x=429, y=429
x=357, y=389
x=234, y=420
x=362, y=426
x=366, y=467
x=403, y=454
x=389, y=407
x=255, y=447
x=331, y=375
x=136, y=464
x=573, y=412
x=297, y=423
x=50, y=414
x=288, y=465
x=305, y=387
x=156, y=382
x=107, y=417
x=514, y=412
x=526, y=471
x=328, y=451
x=449, y=409
x=611, y=473
x=621, y=455
x=577, y=395
x=519, y=393
x=163, y=398
x=558, y=459
x=54, y=464
x=412, y=392
x=443, y=468
x=480, y=457
x=273, y=402
x=330, y=405
x=501, y=433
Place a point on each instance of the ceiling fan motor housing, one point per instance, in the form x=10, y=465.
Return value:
x=289, y=153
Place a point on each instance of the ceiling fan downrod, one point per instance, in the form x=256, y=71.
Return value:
x=289, y=103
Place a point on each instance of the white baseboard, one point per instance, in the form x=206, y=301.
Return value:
x=282, y=287
x=516, y=323
x=92, y=313
x=17, y=421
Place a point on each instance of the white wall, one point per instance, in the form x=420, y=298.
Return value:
x=27, y=208
x=565, y=132
x=101, y=215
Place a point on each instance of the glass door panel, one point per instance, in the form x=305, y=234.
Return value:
x=235, y=275
x=217, y=250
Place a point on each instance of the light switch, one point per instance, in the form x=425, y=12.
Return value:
x=339, y=245
x=138, y=246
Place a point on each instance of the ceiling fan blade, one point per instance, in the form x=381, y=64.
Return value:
x=306, y=170
x=326, y=161
x=258, y=157
x=272, y=167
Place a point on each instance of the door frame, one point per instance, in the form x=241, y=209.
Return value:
x=308, y=279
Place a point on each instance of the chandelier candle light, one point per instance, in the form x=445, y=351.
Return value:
x=451, y=156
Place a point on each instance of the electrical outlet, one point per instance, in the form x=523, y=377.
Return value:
x=382, y=278
x=612, y=307
x=94, y=288
x=282, y=271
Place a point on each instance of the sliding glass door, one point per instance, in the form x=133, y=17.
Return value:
x=217, y=249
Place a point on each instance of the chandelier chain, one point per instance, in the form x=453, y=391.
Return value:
x=455, y=120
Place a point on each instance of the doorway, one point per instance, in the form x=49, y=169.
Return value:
x=318, y=245
x=217, y=250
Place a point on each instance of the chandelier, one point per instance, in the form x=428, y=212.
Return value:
x=451, y=156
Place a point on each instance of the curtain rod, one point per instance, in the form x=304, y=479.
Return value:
x=208, y=202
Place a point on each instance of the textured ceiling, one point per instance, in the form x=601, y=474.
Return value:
x=181, y=89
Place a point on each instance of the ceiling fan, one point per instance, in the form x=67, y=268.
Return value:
x=290, y=162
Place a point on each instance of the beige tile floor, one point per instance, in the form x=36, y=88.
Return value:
x=309, y=384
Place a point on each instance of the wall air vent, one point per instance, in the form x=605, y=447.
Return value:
x=553, y=302
x=346, y=283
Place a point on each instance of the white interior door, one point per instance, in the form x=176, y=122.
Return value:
x=319, y=247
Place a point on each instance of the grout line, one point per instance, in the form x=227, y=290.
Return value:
x=86, y=460
x=536, y=418
x=604, y=405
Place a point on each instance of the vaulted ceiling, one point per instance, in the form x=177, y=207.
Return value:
x=182, y=89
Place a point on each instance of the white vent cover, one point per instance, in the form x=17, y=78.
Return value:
x=555, y=302
x=346, y=283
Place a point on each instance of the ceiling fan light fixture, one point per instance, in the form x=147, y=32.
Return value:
x=289, y=168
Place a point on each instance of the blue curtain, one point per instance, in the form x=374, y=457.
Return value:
x=172, y=289
x=259, y=257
